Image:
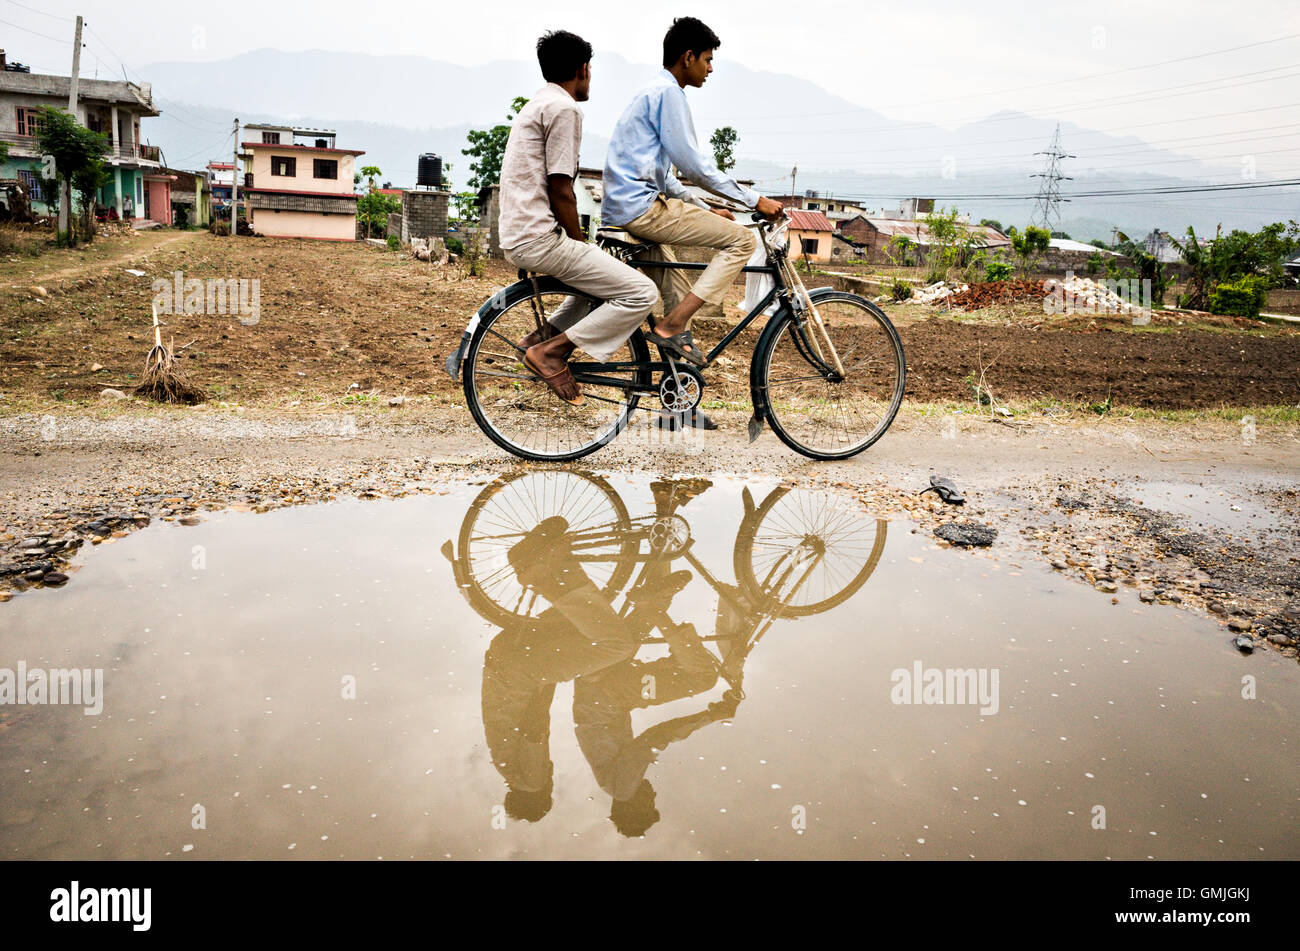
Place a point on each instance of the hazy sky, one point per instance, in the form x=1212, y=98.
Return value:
x=942, y=61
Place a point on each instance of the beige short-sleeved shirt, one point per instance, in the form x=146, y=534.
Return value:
x=544, y=141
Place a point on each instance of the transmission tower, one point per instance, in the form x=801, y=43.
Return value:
x=1047, y=210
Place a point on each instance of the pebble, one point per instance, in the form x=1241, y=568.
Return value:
x=190, y=520
x=1217, y=607
x=109, y=393
x=55, y=579
x=1106, y=587
x=967, y=534
x=35, y=575
x=1282, y=640
x=5, y=596
x=1240, y=625
x=31, y=542
x=1059, y=565
x=1147, y=597
x=1244, y=644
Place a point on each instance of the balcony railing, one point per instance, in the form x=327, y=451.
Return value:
x=122, y=150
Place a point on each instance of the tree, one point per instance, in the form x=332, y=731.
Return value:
x=466, y=205
x=1230, y=258
x=1149, y=266
x=951, y=243
x=488, y=147
x=87, y=182
x=371, y=172
x=1029, y=246
x=724, y=147
x=991, y=223
x=75, y=150
x=373, y=208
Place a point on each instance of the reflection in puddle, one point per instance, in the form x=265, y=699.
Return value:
x=563, y=665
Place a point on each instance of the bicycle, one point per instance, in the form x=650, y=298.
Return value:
x=827, y=372
x=796, y=554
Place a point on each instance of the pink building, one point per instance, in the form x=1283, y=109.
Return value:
x=298, y=185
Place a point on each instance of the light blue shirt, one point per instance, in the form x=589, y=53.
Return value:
x=655, y=133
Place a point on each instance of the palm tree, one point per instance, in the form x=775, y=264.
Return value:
x=371, y=172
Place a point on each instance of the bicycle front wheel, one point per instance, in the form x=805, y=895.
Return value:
x=814, y=409
x=522, y=414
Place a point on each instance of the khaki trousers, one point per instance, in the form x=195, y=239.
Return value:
x=628, y=294
x=671, y=221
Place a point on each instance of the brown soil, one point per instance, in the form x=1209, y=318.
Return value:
x=337, y=315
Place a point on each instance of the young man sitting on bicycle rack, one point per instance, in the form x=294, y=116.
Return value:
x=642, y=195
x=539, y=226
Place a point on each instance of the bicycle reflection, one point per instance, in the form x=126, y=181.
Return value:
x=549, y=557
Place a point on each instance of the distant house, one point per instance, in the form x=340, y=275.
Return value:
x=877, y=233
x=1068, y=244
x=810, y=235
x=136, y=189
x=298, y=184
x=835, y=209
x=191, y=198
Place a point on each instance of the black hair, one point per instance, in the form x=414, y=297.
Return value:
x=687, y=35
x=561, y=54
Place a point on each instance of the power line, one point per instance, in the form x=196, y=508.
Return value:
x=1055, y=82
x=52, y=16
x=1157, y=190
x=45, y=36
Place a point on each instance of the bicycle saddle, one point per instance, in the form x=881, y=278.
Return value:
x=619, y=237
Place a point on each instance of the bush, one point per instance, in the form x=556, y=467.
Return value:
x=1242, y=298
x=999, y=271
x=455, y=246
x=900, y=290
x=220, y=228
x=394, y=242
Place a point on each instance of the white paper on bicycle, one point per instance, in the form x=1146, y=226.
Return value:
x=757, y=285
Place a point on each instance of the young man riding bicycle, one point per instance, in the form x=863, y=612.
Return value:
x=539, y=226
x=642, y=195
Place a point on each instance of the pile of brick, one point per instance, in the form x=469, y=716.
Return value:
x=997, y=292
x=938, y=291
x=1084, y=295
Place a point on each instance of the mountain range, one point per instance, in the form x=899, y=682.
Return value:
x=397, y=107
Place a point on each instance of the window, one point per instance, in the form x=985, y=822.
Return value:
x=810, y=245
x=270, y=138
x=813, y=206
x=325, y=168
x=32, y=182
x=283, y=165
x=29, y=121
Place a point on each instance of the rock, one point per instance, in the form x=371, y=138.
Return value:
x=32, y=542
x=5, y=596
x=1173, y=596
x=397, y=401
x=56, y=579
x=1106, y=587
x=1239, y=625
x=39, y=291
x=108, y=393
x=1059, y=565
x=1292, y=609
x=967, y=534
x=190, y=520
x=1244, y=644
x=1217, y=607
x=1281, y=640
x=1147, y=597
x=96, y=367
x=34, y=575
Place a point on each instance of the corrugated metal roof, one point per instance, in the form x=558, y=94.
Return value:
x=1069, y=244
x=919, y=233
x=809, y=220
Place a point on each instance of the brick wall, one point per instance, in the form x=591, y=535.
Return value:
x=424, y=214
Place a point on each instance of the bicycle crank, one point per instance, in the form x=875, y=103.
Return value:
x=680, y=388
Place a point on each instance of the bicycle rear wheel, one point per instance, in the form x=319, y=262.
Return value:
x=818, y=412
x=522, y=414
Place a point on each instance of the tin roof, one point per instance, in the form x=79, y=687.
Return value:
x=917, y=231
x=809, y=220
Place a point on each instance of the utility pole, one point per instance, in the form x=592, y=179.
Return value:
x=794, y=194
x=234, y=186
x=65, y=193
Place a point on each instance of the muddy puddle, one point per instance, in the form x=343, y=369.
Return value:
x=562, y=665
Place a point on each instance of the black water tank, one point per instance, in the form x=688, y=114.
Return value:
x=430, y=170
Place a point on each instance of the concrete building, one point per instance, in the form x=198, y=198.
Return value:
x=221, y=178
x=298, y=184
x=810, y=235
x=835, y=209
x=877, y=233
x=114, y=108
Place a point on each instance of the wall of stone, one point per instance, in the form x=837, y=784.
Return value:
x=424, y=214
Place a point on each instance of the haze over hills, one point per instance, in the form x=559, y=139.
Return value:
x=396, y=107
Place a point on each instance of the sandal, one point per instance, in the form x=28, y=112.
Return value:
x=540, y=335
x=680, y=345
x=946, y=489
x=563, y=375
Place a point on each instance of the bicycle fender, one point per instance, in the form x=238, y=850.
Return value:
x=497, y=301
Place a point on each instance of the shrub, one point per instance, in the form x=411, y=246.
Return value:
x=1241, y=298
x=900, y=290
x=394, y=242
x=999, y=270
x=220, y=228
x=455, y=246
